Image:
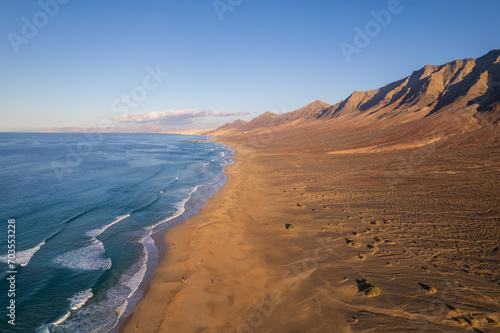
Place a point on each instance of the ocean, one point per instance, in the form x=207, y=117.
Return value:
x=84, y=208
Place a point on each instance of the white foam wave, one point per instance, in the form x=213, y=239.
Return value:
x=43, y=329
x=79, y=299
x=131, y=280
x=24, y=257
x=204, y=165
x=181, y=208
x=107, y=312
x=133, y=277
x=91, y=318
x=120, y=311
x=89, y=258
x=97, y=232
x=61, y=320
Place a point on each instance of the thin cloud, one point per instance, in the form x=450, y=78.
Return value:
x=172, y=116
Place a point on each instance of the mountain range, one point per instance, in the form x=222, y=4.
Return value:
x=433, y=102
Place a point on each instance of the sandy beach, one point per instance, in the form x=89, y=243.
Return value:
x=417, y=252
x=213, y=267
x=250, y=166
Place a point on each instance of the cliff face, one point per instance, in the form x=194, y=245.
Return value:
x=429, y=90
x=432, y=103
x=311, y=111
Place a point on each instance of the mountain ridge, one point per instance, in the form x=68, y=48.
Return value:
x=463, y=84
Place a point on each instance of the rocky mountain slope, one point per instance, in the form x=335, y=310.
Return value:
x=435, y=101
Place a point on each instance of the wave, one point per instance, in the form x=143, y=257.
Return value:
x=134, y=276
x=79, y=299
x=203, y=166
x=181, y=208
x=96, y=232
x=131, y=280
x=89, y=258
x=105, y=313
x=62, y=319
x=143, y=208
x=116, y=303
x=43, y=329
x=76, y=302
x=23, y=257
x=71, y=219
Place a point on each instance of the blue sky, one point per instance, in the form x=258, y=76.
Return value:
x=263, y=56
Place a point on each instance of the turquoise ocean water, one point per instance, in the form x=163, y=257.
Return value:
x=85, y=208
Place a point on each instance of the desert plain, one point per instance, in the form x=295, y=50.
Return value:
x=383, y=221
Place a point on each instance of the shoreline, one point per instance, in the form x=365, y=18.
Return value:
x=162, y=247
x=191, y=208
x=235, y=258
x=349, y=228
x=249, y=261
x=148, y=315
